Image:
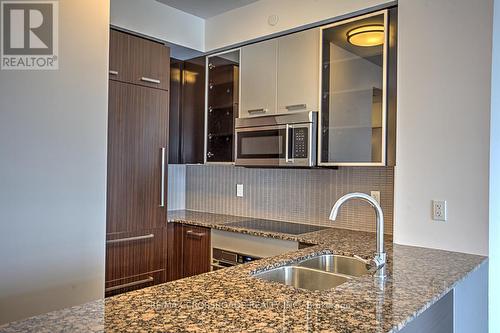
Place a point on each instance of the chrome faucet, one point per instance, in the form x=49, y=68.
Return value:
x=378, y=262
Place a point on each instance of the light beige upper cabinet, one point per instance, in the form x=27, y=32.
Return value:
x=258, y=79
x=298, y=71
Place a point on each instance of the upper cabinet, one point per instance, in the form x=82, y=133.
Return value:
x=138, y=61
x=222, y=105
x=280, y=75
x=298, y=71
x=357, y=115
x=259, y=78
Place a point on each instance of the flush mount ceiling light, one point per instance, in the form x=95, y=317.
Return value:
x=368, y=35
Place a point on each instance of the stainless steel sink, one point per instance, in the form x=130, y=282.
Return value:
x=303, y=277
x=336, y=264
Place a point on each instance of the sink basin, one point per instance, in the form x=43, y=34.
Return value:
x=336, y=264
x=303, y=277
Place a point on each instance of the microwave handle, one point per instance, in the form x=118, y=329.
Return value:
x=287, y=143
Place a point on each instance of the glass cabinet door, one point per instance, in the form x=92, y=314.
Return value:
x=222, y=105
x=353, y=91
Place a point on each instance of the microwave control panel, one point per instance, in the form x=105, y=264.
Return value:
x=300, y=142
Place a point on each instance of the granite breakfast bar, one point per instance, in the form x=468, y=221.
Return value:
x=232, y=300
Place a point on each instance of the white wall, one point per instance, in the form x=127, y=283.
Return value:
x=494, y=232
x=53, y=138
x=444, y=59
x=250, y=22
x=155, y=19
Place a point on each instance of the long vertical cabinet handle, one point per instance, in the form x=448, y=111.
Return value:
x=162, y=187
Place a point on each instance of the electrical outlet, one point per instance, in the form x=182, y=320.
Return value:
x=375, y=195
x=439, y=212
x=239, y=190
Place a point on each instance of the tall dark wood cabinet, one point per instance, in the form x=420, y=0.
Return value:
x=187, y=111
x=136, y=241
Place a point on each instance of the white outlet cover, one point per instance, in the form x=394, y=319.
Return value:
x=239, y=190
x=439, y=210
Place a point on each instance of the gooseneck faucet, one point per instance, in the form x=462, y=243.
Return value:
x=379, y=260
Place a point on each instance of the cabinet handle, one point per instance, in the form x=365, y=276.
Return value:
x=191, y=233
x=147, y=79
x=262, y=110
x=296, y=107
x=113, y=72
x=162, y=178
x=129, y=239
x=130, y=284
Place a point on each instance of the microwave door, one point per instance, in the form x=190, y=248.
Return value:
x=262, y=146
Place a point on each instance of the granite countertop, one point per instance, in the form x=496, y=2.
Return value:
x=231, y=300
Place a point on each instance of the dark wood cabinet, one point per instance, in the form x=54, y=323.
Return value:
x=119, y=56
x=188, y=251
x=138, y=120
x=148, y=67
x=136, y=226
x=135, y=260
x=139, y=61
x=187, y=111
x=195, y=250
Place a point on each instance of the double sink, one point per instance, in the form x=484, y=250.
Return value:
x=317, y=273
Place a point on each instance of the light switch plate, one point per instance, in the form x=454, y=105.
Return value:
x=439, y=210
x=375, y=195
x=239, y=190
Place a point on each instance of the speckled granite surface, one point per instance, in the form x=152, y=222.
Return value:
x=231, y=300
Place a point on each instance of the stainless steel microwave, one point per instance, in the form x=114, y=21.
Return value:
x=283, y=140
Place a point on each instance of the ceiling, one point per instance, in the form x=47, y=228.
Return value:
x=206, y=8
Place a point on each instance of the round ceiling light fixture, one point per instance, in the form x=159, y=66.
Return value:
x=367, y=35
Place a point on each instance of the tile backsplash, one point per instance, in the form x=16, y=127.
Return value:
x=295, y=195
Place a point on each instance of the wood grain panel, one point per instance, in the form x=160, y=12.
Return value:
x=136, y=263
x=135, y=257
x=138, y=123
x=195, y=250
x=193, y=112
x=174, y=252
x=119, y=56
x=134, y=283
x=150, y=60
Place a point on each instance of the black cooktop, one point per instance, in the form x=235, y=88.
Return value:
x=276, y=226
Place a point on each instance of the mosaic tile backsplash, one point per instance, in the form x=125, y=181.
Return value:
x=295, y=195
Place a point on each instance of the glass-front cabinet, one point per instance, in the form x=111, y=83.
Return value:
x=222, y=105
x=356, y=114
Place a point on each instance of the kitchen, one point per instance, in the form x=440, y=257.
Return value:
x=242, y=125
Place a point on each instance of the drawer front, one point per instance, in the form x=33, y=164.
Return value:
x=134, y=282
x=196, y=250
x=131, y=254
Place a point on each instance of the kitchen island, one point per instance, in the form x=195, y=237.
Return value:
x=232, y=300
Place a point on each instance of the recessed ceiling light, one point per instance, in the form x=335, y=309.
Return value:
x=368, y=35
